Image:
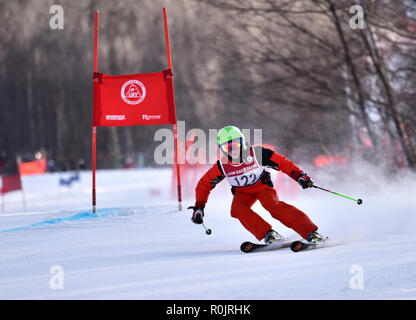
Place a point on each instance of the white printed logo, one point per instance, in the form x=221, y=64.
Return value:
x=133, y=92
x=154, y=117
x=115, y=117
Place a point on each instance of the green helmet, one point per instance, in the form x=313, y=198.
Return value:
x=229, y=133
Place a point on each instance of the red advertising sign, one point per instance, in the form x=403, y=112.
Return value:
x=137, y=99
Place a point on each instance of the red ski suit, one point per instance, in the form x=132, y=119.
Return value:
x=261, y=188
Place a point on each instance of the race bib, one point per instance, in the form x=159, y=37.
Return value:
x=244, y=174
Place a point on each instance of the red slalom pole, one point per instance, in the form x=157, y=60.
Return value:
x=175, y=131
x=94, y=128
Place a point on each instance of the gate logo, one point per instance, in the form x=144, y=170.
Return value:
x=133, y=92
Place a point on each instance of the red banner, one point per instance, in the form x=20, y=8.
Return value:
x=33, y=167
x=137, y=99
x=11, y=183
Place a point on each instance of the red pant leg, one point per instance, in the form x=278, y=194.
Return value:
x=240, y=209
x=289, y=215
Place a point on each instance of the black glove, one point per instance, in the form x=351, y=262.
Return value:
x=198, y=215
x=305, y=181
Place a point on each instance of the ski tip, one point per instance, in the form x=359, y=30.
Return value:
x=301, y=245
x=297, y=246
x=246, y=246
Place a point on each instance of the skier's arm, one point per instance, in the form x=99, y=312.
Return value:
x=208, y=182
x=277, y=161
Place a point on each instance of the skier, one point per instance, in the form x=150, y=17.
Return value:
x=250, y=182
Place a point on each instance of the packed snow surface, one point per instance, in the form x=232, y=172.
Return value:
x=139, y=246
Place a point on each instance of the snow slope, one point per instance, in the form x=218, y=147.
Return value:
x=138, y=246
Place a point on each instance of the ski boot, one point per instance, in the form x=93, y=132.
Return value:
x=271, y=236
x=314, y=237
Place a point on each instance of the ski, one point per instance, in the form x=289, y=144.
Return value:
x=300, y=245
x=251, y=246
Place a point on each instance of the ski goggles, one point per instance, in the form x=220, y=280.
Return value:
x=231, y=145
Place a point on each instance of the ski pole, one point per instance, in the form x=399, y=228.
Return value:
x=359, y=201
x=207, y=231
